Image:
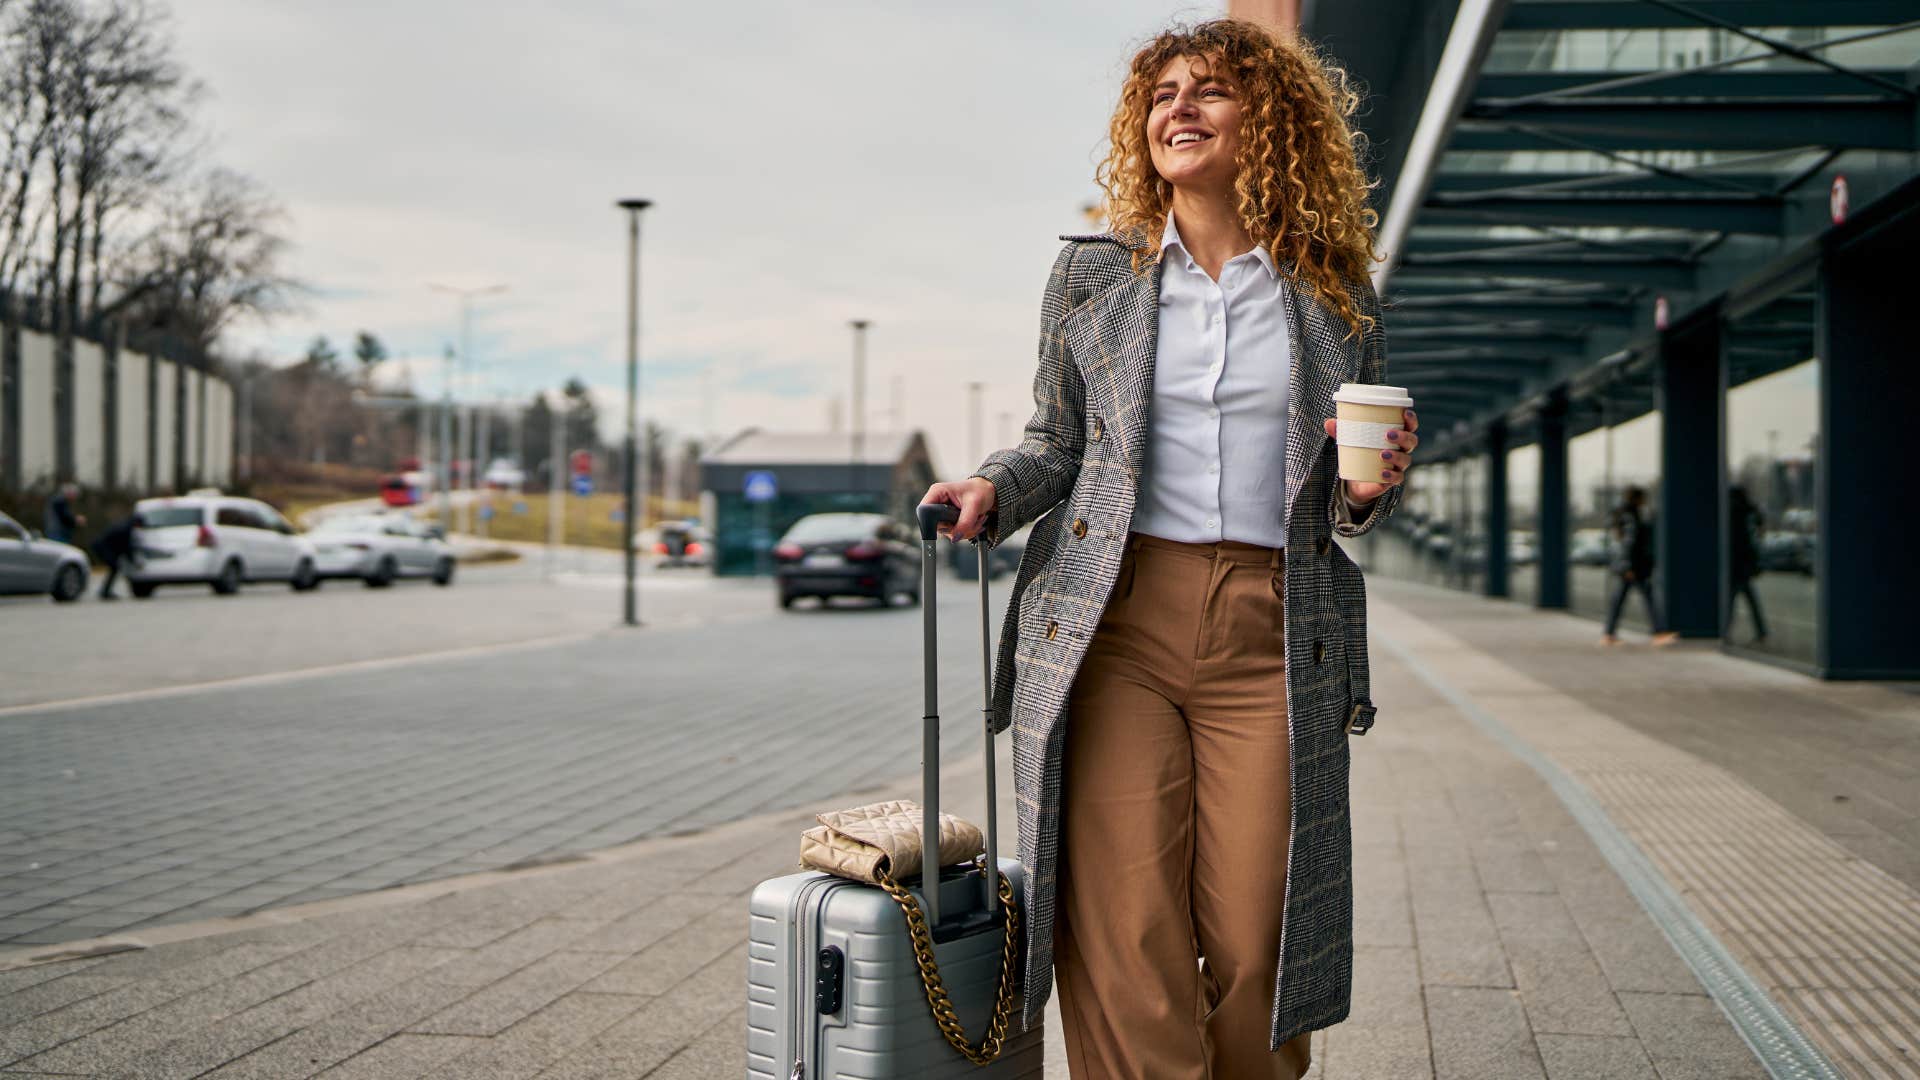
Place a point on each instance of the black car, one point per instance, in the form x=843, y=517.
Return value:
x=828, y=555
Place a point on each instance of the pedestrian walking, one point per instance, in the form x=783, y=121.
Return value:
x=1744, y=523
x=1184, y=651
x=63, y=521
x=116, y=550
x=1633, y=565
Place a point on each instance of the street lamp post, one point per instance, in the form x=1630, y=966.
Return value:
x=446, y=449
x=466, y=361
x=859, y=411
x=630, y=520
x=975, y=421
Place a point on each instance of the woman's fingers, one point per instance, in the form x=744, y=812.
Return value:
x=972, y=508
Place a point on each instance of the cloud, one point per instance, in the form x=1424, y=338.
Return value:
x=811, y=163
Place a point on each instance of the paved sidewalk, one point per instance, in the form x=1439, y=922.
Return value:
x=1493, y=939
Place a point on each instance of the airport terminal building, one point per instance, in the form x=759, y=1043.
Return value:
x=1665, y=245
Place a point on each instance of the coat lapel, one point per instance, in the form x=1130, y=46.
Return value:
x=1113, y=338
x=1312, y=378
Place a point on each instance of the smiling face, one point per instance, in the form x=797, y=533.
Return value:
x=1193, y=126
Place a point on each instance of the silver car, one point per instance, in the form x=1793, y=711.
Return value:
x=381, y=548
x=218, y=540
x=30, y=563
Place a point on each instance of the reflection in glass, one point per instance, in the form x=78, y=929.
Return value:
x=1523, y=523
x=1417, y=543
x=1773, y=441
x=1601, y=465
x=1467, y=566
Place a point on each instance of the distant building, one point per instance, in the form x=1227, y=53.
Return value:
x=812, y=473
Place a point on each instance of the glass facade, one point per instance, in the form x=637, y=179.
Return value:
x=1773, y=442
x=1523, y=524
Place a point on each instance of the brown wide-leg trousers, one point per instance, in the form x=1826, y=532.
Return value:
x=1174, y=837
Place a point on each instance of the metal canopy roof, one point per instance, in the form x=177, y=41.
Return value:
x=1607, y=153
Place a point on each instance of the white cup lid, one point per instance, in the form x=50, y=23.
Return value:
x=1354, y=393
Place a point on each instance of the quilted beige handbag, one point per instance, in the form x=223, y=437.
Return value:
x=880, y=843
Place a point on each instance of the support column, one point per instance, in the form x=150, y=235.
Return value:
x=1687, y=547
x=1496, y=508
x=1867, y=576
x=1552, y=535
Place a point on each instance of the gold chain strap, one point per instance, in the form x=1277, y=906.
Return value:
x=937, y=999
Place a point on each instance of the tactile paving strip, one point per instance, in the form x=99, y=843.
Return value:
x=1828, y=938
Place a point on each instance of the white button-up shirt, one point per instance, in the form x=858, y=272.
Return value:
x=1216, y=452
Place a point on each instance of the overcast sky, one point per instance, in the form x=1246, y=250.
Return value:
x=910, y=163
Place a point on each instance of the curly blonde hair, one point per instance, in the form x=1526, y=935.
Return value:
x=1299, y=187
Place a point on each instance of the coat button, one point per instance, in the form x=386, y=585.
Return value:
x=1319, y=652
x=1052, y=629
x=1321, y=544
x=1098, y=429
x=1079, y=527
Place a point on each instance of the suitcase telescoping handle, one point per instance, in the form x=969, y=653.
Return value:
x=931, y=516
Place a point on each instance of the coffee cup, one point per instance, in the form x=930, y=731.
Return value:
x=1364, y=413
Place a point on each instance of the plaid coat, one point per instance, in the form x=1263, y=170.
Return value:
x=1076, y=474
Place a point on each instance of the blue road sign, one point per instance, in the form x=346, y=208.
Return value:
x=583, y=484
x=486, y=511
x=761, y=487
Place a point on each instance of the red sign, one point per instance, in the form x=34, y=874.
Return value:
x=582, y=462
x=1837, y=199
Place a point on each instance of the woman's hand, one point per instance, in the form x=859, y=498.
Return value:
x=974, y=497
x=1393, y=463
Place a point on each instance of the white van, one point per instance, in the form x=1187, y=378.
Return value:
x=218, y=540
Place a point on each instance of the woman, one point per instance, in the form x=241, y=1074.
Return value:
x=1185, y=651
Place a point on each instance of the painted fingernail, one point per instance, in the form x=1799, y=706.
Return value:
x=1386, y=455
x=1384, y=475
x=1394, y=435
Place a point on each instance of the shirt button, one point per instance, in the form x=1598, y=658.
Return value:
x=1214, y=468
x=1213, y=413
x=1209, y=523
x=1216, y=320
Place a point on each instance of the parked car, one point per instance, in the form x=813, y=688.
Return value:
x=31, y=563
x=380, y=549
x=505, y=475
x=397, y=490
x=218, y=540
x=828, y=555
x=1002, y=559
x=1784, y=551
x=683, y=543
x=1590, y=547
x=1520, y=548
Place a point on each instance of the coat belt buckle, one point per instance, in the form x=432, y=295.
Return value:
x=1360, y=719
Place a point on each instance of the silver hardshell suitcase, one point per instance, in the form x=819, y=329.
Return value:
x=833, y=988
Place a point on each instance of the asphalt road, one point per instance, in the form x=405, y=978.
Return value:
x=195, y=756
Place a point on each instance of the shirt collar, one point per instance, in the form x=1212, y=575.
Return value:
x=1170, y=239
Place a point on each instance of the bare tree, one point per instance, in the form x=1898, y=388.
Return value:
x=100, y=217
x=213, y=258
x=129, y=100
